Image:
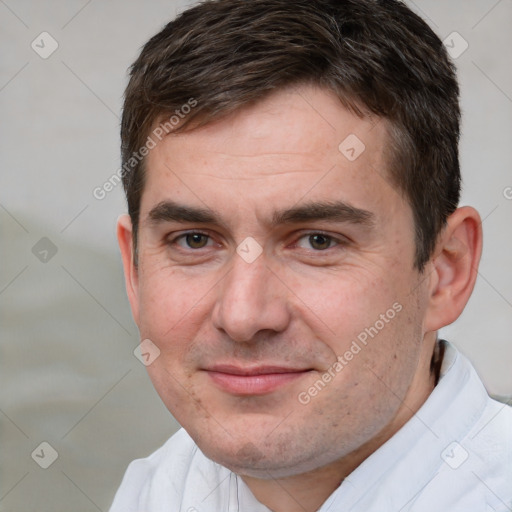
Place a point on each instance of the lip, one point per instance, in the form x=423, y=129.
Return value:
x=258, y=380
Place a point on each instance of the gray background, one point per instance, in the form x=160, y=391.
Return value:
x=68, y=373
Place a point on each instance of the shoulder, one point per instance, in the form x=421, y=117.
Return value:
x=477, y=460
x=467, y=452
x=489, y=444
x=158, y=481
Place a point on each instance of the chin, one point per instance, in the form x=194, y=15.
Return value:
x=264, y=460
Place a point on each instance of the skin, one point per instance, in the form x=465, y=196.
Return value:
x=301, y=303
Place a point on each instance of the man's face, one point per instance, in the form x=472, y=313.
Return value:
x=287, y=360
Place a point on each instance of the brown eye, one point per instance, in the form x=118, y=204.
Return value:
x=320, y=242
x=196, y=240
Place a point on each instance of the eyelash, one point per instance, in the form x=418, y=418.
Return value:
x=332, y=240
x=182, y=236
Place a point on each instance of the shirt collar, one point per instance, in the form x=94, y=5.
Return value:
x=407, y=461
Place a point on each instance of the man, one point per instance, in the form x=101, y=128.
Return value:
x=293, y=245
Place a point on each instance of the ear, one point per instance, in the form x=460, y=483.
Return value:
x=454, y=268
x=125, y=239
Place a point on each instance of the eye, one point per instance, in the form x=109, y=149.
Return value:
x=317, y=241
x=193, y=240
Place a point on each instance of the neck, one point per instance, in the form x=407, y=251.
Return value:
x=308, y=491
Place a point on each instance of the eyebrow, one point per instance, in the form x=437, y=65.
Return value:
x=338, y=211
x=168, y=211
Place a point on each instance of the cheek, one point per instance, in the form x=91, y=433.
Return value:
x=173, y=305
x=172, y=310
x=373, y=323
x=344, y=303
x=165, y=289
x=393, y=347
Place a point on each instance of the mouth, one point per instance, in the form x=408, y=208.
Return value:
x=258, y=380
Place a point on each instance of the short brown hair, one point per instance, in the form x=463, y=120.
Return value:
x=376, y=55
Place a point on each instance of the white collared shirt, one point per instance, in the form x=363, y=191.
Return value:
x=454, y=454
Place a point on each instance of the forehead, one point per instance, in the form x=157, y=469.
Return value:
x=296, y=145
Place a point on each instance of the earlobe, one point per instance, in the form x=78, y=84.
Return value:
x=125, y=240
x=454, y=268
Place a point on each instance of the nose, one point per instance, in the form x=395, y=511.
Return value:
x=251, y=299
